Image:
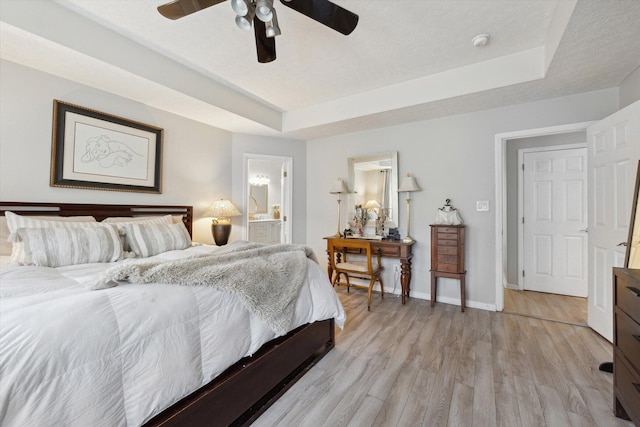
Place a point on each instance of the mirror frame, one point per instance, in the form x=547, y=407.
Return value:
x=633, y=224
x=393, y=182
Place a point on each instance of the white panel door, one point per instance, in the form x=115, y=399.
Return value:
x=613, y=153
x=555, y=221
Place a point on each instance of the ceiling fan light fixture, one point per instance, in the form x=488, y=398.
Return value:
x=272, y=27
x=264, y=10
x=241, y=7
x=244, y=23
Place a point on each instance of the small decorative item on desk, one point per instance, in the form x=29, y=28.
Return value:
x=448, y=215
x=394, y=234
x=276, y=211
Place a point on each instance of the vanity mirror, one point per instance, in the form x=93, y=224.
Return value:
x=632, y=257
x=374, y=178
x=258, y=195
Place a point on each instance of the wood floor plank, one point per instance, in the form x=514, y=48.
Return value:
x=416, y=406
x=413, y=364
x=529, y=407
x=460, y=412
x=484, y=402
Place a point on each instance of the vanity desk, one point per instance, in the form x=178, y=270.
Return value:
x=396, y=249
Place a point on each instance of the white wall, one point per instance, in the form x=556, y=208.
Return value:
x=451, y=157
x=196, y=156
x=297, y=150
x=629, y=90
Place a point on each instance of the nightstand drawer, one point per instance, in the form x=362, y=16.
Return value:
x=448, y=230
x=449, y=259
x=447, y=236
x=628, y=297
x=448, y=250
x=627, y=387
x=442, y=242
x=628, y=338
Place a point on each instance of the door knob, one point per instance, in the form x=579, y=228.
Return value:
x=584, y=230
x=622, y=244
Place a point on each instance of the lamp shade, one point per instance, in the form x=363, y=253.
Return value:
x=222, y=209
x=338, y=187
x=408, y=184
x=371, y=204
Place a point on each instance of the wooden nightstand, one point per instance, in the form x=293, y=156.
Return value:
x=447, y=257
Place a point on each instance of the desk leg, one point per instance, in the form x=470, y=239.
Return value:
x=405, y=278
x=329, y=269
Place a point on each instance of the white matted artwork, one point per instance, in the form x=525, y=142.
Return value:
x=95, y=150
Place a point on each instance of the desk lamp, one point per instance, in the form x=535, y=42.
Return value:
x=408, y=185
x=338, y=188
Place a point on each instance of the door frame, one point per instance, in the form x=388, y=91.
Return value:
x=286, y=211
x=501, y=140
x=521, y=154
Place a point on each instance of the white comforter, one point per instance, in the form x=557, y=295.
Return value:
x=77, y=357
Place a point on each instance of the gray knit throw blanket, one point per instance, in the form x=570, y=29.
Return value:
x=266, y=278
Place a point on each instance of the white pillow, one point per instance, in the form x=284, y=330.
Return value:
x=57, y=247
x=152, y=239
x=122, y=222
x=15, y=221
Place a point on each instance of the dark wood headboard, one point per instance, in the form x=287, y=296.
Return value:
x=100, y=212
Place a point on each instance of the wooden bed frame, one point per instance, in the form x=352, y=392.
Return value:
x=245, y=390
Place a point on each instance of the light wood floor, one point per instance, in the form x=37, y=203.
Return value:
x=548, y=306
x=414, y=365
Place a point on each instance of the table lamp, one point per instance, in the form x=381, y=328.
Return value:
x=221, y=211
x=408, y=185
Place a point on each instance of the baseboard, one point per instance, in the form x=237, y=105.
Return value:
x=447, y=300
x=512, y=286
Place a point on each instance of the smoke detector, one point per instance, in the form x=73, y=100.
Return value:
x=480, y=40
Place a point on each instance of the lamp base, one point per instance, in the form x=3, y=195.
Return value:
x=221, y=233
x=407, y=239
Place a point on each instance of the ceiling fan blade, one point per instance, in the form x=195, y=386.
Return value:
x=327, y=13
x=181, y=8
x=265, y=46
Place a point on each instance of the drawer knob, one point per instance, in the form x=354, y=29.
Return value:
x=634, y=290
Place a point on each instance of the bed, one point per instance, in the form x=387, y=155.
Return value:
x=229, y=379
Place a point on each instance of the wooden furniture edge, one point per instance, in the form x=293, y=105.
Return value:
x=245, y=390
x=99, y=211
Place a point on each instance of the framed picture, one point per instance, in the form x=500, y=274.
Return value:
x=98, y=151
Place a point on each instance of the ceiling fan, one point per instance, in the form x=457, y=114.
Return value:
x=262, y=16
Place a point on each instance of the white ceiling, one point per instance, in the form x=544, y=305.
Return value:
x=407, y=60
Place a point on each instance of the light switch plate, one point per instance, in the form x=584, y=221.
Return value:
x=482, y=205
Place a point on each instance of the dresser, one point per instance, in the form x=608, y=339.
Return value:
x=447, y=258
x=264, y=231
x=626, y=344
